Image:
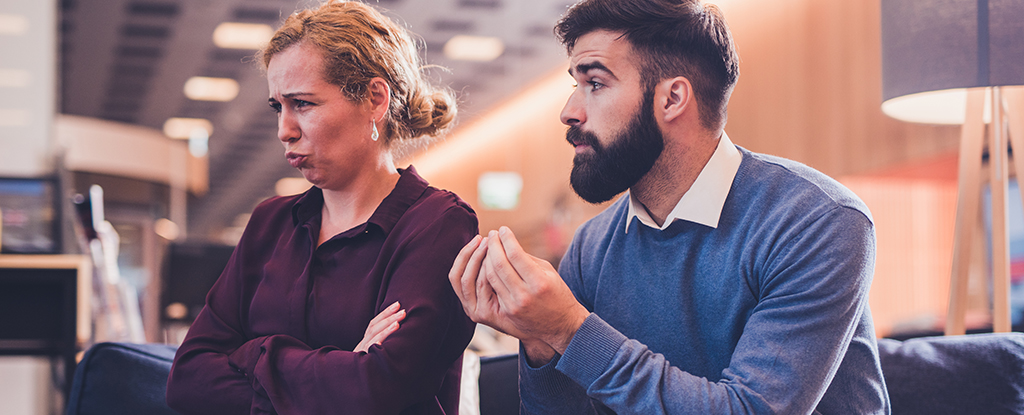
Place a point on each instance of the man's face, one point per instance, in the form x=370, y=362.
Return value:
x=610, y=118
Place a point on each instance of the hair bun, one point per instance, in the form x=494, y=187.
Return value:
x=431, y=112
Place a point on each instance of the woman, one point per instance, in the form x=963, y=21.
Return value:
x=337, y=300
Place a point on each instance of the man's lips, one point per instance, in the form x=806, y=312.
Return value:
x=580, y=140
x=581, y=147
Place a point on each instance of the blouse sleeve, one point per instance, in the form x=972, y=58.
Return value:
x=202, y=381
x=407, y=367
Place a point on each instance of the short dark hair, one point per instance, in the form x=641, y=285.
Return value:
x=671, y=38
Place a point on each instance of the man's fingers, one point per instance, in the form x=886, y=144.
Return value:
x=496, y=284
x=459, y=266
x=469, y=275
x=500, y=265
x=485, y=297
x=513, y=250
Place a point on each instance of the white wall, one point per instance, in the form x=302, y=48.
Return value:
x=28, y=79
x=26, y=386
x=28, y=50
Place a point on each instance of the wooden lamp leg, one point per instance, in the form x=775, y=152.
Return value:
x=1000, y=217
x=1013, y=98
x=968, y=199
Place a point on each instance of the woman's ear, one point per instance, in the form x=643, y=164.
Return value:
x=379, y=98
x=677, y=98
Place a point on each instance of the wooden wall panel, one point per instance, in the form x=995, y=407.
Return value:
x=810, y=88
x=914, y=228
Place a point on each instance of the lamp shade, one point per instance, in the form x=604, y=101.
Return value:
x=932, y=50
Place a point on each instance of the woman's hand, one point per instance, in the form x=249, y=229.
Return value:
x=381, y=327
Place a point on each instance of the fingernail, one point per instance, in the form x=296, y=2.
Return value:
x=402, y=312
x=393, y=305
x=503, y=230
x=492, y=234
x=476, y=238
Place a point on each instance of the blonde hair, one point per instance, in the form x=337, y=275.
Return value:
x=358, y=44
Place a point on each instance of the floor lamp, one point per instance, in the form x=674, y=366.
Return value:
x=962, y=62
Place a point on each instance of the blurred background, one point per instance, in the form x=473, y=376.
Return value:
x=162, y=105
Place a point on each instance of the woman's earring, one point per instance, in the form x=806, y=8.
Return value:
x=374, y=135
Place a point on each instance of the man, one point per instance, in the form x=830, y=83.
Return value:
x=725, y=281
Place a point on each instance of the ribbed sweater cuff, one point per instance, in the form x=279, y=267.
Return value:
x=591, y=351
x=541, y=384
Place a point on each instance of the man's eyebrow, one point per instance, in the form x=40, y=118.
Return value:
x=583, y=68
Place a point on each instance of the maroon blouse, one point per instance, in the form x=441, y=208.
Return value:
x=279, y=325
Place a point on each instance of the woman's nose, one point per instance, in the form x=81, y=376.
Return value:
x=287, y=129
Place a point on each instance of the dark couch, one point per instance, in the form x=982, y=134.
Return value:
x=122, y=378
x=972, y=374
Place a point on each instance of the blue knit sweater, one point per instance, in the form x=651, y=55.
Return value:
x=767, y=313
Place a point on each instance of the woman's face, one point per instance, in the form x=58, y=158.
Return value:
x=325, y=135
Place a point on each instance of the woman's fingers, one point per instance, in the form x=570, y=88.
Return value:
x=381, y=326
x=383, y=334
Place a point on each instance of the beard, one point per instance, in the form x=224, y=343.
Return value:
x=607, y=171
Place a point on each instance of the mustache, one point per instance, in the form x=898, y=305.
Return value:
x=576, y=136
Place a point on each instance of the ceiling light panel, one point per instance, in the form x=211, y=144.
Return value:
x=15, y=78
x=202, y=88
x=13, y=24
x=183, y=128
x=474, y=48
x=231, y=35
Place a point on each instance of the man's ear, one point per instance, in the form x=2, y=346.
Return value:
x=379, y=97
x=678, y=98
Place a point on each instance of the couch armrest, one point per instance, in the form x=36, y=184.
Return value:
x=971, y=374
x=122, y=378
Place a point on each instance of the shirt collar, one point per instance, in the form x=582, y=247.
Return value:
x=408, y=189
x=704, y=201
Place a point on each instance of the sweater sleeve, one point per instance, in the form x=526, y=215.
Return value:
x=813, y=295
x=545, y=390
x=409, y=366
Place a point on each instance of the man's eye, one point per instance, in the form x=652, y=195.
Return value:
x=595, y=85
x=276, y=106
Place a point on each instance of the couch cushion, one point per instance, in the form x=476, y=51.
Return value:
x=122, y=378
x=972, y=374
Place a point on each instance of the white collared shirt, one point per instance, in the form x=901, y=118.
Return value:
x=704, y=201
